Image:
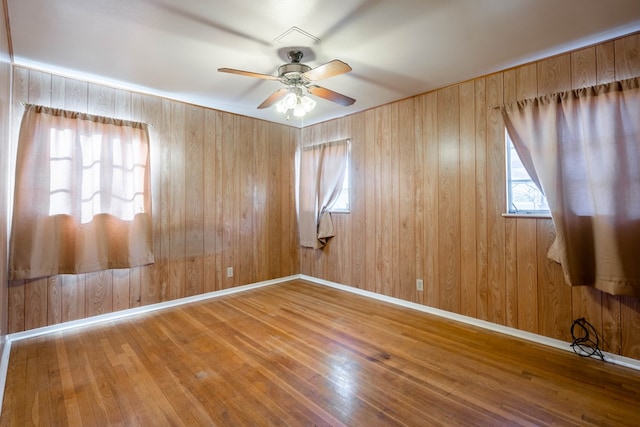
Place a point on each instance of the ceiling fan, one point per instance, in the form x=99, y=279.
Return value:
x=297, y=76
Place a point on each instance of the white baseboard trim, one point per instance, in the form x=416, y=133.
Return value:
x=551, y=342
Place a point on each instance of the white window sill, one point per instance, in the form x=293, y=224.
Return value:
x=527, y=215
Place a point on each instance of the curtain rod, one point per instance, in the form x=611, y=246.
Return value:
x=24, y=104
x=317, y=144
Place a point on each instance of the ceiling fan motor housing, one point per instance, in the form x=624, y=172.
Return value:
x=293, y=72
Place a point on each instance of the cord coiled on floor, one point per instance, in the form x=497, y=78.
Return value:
x=587, y=341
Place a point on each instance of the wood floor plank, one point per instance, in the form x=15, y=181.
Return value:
x=297, y=354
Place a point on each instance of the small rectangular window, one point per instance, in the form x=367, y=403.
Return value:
x=342, y=204
x=523, y=195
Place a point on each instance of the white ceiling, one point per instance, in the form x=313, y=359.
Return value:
x=396, y=48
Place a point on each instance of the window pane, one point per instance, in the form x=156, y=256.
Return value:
x=342, y=204
x=523, y=195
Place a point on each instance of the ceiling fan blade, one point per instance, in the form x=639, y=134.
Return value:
x=248, y=74
x=275, y=97
x=331, y=95
x=330, y=69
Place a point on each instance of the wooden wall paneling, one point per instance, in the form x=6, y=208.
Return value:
x=526, y=82
x=121, y=289
x=54, y=300
x=163, y=223
x=554, y=74
x=511, y=271
x=122, y=104
x=614, y=326
x=39, y=88
x=357, y=276
x=228, y=194
x=58, y=91
x=527, y=256
x=605, y=63
x=222, y=126
x=98, y=293
x=449, y=198
x=101, y=100
x=406, y=142
x=431, y=296
x=142, y=111
x=273, y=247
x=496, y=202
x=76, y=95
x=16, y=306
x=481, y=206
x=419, y=200
x=583, y=68
x=262, y=213
x=554, y=295
x=285, y=145
x=369, y=202
x=510, y=94
x=194, y=204
x=383, y=200
x=209, y=198
x=293, y=264
x=630, y=319
x=177, y=203
x=391, y=164
x=135, y=282
x=467, y=202
x=244, y=257
x=627, y=57
x=346, y=224
x=73, y=296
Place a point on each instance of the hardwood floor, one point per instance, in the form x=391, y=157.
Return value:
x=302, y=354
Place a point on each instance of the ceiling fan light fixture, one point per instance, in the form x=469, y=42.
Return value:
x=299, y=111
x=295, y=102
x=290, y=101
x=307, y=103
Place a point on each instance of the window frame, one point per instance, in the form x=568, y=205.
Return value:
x=511, y=210
x=347, y=179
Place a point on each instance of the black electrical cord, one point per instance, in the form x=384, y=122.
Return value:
x=587, y=343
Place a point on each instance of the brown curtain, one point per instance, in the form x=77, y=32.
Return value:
x=320, y=171
x=583, y=149
x=82, y=198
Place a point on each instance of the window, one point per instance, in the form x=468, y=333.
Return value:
x=523, y=195
x=320, y=181
x=82, y=198
x=342, y=204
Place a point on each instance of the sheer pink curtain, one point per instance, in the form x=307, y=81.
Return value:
x=320, y=171
x=82, y=198
x=583, y=149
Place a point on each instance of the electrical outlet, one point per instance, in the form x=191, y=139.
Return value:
x=419, y=285
x=229, y=271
